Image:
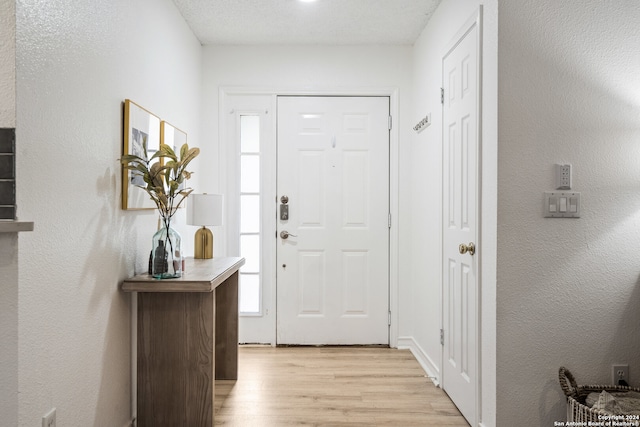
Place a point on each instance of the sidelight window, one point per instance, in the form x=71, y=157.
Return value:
x=250, y=224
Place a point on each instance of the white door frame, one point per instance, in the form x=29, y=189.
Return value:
x=259, y=325
x=474, y=20
x=224, y=108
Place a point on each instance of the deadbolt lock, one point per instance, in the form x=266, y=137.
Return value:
x=284, y=208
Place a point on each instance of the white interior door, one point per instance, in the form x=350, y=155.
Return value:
x=460, y=205
x=333, y=268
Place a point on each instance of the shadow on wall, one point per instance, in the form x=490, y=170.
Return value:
x=114, y=236
x=116, y=363
x=550, y=402
x=552, y=391
x=114, y=248
x=628, y=326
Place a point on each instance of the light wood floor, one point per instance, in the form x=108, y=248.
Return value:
x=331, y=386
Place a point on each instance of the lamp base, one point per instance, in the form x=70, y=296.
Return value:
x=203, y=241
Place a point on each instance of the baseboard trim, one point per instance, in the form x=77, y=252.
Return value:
x=423, y=359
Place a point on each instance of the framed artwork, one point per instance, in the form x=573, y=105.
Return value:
x=174, y=138
x=140, y=127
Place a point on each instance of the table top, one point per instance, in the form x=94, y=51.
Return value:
x=200, y=275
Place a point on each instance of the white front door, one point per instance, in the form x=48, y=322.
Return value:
x=333, y=268
x=460, y=206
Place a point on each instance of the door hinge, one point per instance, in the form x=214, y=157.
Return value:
x=389, y=222
x=442, y=95
x=441, y=336
x=389, y=320
x=390, y=122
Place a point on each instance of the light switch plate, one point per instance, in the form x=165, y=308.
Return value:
x=562, y=204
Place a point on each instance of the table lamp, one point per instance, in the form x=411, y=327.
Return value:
x=204, y=209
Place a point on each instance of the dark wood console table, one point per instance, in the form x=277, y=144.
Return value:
x=187, y=338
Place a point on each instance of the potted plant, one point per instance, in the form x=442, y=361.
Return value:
x=164, y=175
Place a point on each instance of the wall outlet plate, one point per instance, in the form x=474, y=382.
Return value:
x=563, y=177
x=620, y=372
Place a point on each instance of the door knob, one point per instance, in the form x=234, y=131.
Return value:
x=471, y=248
x=285, y=234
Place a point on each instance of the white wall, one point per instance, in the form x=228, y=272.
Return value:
x=299, y=68
x=8, y=241
x=568, y=290
x=424, y=271
x=310, y=69
x=76, y=63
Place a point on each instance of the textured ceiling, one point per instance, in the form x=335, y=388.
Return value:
x=326, y=22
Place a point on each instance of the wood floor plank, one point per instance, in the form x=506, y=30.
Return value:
x=331, y=386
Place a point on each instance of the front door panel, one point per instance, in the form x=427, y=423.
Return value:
x=333, y=167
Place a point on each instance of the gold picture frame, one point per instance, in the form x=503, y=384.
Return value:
x=139, y=125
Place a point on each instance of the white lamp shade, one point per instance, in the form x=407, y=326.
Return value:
x=204, y=209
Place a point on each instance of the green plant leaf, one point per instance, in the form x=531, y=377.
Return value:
x=164, y=173
x=191, y=154
x=130, y=158
x=167, y=151
x=183, y=151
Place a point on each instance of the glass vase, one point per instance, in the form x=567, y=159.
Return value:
x=166, y=255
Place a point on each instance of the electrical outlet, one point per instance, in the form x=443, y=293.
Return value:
x=563, y=177
x=620, y=373
x=49, y=420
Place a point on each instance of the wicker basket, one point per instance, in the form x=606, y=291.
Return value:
x=577, y=410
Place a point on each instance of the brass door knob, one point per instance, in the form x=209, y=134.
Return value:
x=471, y=248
